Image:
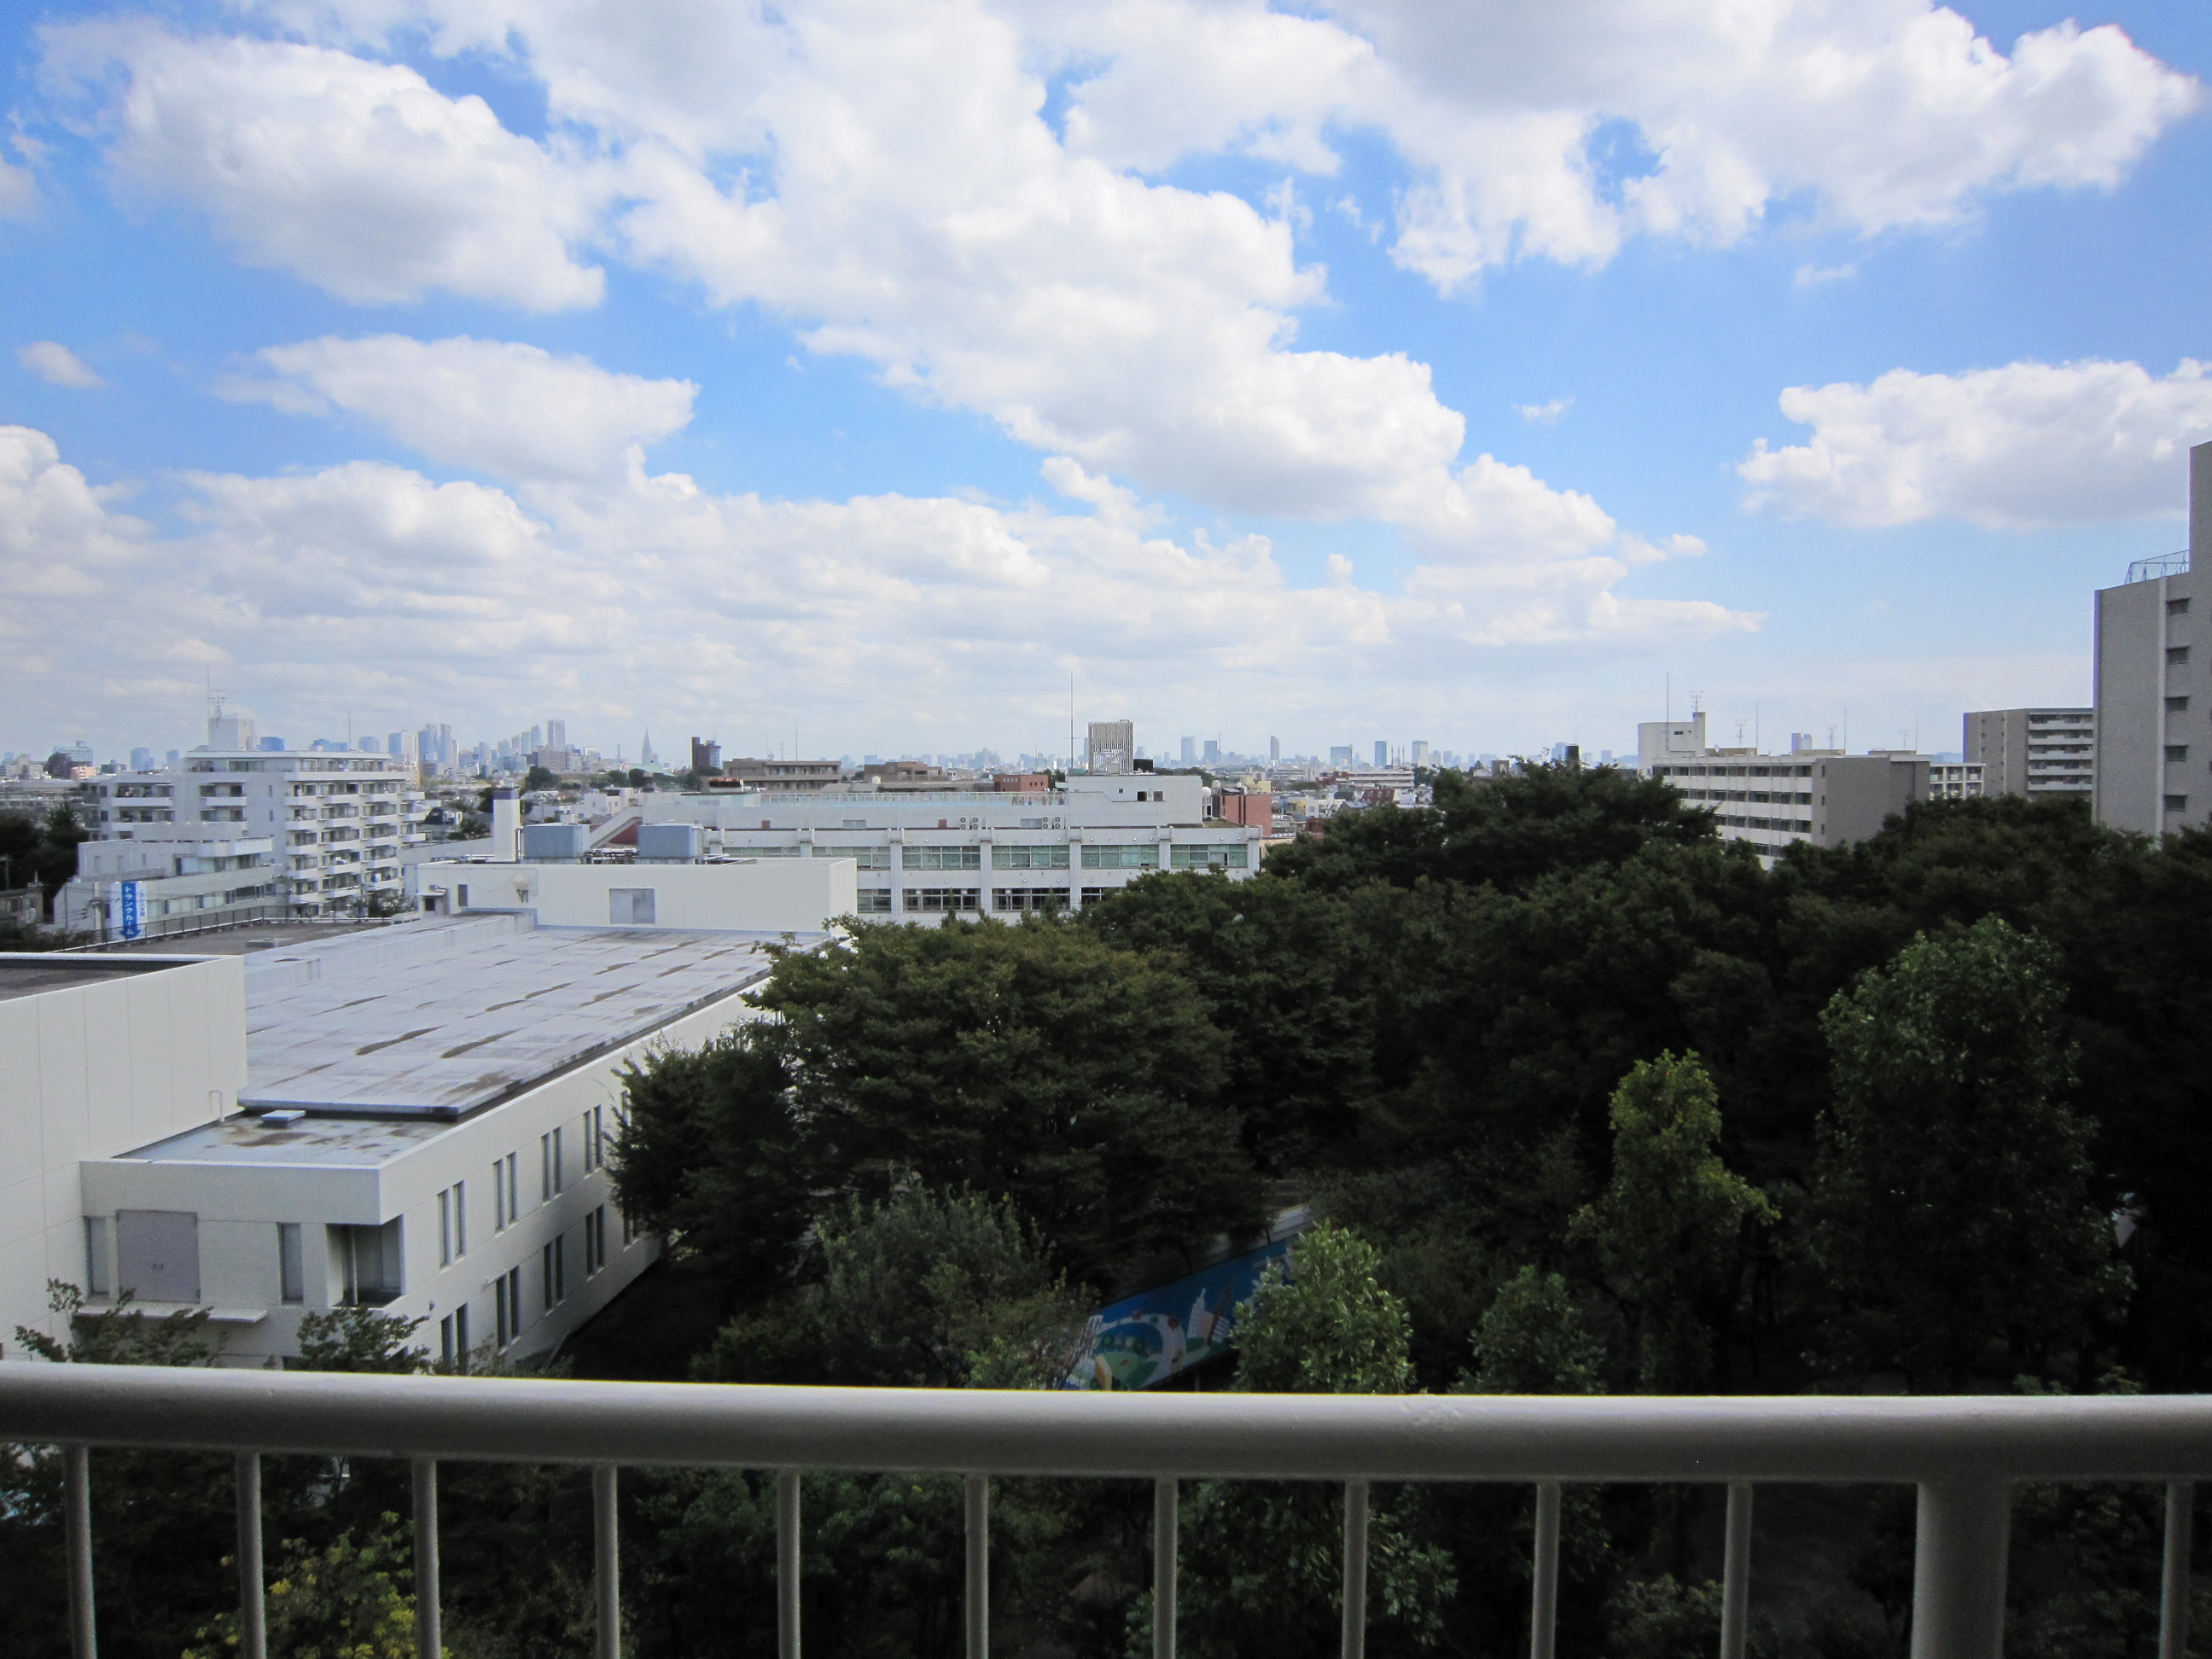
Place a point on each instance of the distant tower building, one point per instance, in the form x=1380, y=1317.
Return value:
x=1339, y=754
x=1381, y=751
x=556, y=734
x=1274, y=751
x=705, y=756
x=1113, y=745
x=141, y=759
x=1420, y=752
x=1190, y=751
x=1213, y=750
x=645, y=755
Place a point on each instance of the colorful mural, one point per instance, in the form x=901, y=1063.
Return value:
x=1147, y=1338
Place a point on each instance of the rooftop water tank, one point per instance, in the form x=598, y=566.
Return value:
x=554, y=843
x=667, y=843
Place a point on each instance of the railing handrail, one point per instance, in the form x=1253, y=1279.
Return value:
x=1149, y=1436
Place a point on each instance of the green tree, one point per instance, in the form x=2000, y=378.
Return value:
x=539, y=777
x=1035, y=1061
x=1950, y=1201
x=360, y=1340
x=1667, y=1230
x=1533, y=1340
x=1263, y=1560
x=925, y=1289
x=341, y=1601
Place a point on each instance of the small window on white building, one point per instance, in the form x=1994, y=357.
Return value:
x=97, y=1280
x=369, y=1261
x=291, y=1263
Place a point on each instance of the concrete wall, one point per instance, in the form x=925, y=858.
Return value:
x=2134, y=632
x=95, y=1070
x=1852, y=794
x=771, y=896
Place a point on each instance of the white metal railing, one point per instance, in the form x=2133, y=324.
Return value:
x=1963, y=1453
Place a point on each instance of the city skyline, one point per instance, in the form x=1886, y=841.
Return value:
x=870, y=371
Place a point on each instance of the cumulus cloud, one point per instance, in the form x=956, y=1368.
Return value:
x=1548, y=414
x=514, y=411
x=2023, y=445
x=371, y=583
x=56, y=365
x=19, y=191
x=358, y=176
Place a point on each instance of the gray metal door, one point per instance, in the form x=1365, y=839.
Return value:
x=157, y=1255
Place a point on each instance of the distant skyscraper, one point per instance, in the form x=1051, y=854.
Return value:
x=1381, y=751
x=272, y=746
x=645, y=755
x=556, y=734
x=706, y=755
x=1339, y=754
x=1213, y=750
x=141, y=759
x=1274, y=751
x=1112, y=746
x=1190, y=751
x=1420, y=755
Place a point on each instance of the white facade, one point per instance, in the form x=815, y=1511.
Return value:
x=1812, y=795
x=185, y=877
x=766, y=896
x=922, y=856
x=337, y=821
x=425, y=1118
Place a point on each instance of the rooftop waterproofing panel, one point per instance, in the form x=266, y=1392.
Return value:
x=445, y=1032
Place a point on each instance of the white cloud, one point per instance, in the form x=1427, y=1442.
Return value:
x=510, y=410
x=1550, y=414
x=56, y=365
x=19, y=191
x=358, y=176
x=2026, y=445
x=368, y=584
x=1812, y=276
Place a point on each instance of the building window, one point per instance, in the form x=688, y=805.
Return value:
x=505, y=1199
x=629, y=1228
x=551, y=1177
x=1200, y=857
x=945, y=899
x=868, y=858
x=630, y=906
x=941, y=857
x=595, y=1240
x=2177, y=607
x=1029, y=898
x=1094, y=895
x=874, y=900
x=2176, y=753
x=556, y=1263
x=452, y=1223
x=1146, y=857
x=2176, y=655
x=595, y=1139
x=453, y=1338
x=2177, y=803
x=2174, y=706
x=96, y=1279
x=370, y=1259
x=1029, y=858
x=507, y=1300
x=291, y=1263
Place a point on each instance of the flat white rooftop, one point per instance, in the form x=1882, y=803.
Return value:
x=442, y=1034
x=322, y=1142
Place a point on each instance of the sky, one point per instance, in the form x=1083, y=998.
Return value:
x=857, y=376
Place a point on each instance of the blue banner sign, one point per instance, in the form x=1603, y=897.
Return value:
x=1146, y=1339
x=130, y=909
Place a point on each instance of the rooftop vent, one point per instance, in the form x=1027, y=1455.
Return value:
x=284, y=1119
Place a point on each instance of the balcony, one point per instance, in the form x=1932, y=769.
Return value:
x=1963, y=1454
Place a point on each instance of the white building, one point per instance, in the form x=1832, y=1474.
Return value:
x=1819, y=796
x=173, y=878
x=337, y=821
x=417, y=1122
x=2039, y=752
x=931, y=853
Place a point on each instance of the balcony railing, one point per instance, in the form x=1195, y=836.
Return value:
x=2165, y=564
x=1964, y=1454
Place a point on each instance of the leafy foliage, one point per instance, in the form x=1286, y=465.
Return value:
x=342, y=1602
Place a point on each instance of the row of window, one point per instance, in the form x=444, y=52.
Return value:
x=1146, y=856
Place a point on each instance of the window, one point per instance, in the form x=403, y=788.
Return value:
x=506, y=1304
x=595, y=1240
x=1197, y=857
x=1029, y=898
x=453, y=1338
x=868, y=858
x=446, y=1228
x=2177, y=704
x=2177, y=607
x=2176, y=753
x=630, y=906
x=1028, y=858
x=629, y=1229
x=551, y=1177
x=874, y=902
x=942, y=857
x=291, y=1263
x=595, y=1139
x=1093, y=895
x=556, y=1263
x=370, y=1259
x=1146, y=857
x=946, y=899
x=452, y=1223
x=506, y=1198
x=97, y=1280
x=2177, y=803
x=2176, y=655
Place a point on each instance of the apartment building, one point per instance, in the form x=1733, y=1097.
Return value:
x=417, y=1121
x=2153, y=684
x=1822, y=797
x=2045, y=753
x=173, y=878
x=925, y=854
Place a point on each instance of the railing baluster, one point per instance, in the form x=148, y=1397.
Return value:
x=1958, y=1569
x=1544, y=1589
x=76, y=1500
x=786, y=1564
x=1355, y=1569
x=1163, y=1569
x=606, y=1559
x=1736, y=1572
x=2174, y=1596
x=979, y=1566
x=253, y=1608
x=428, y=1637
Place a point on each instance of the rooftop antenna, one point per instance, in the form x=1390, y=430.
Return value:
x=1832, y=734
x=1756, y=740
x=1740, y=725
x=1071, y=720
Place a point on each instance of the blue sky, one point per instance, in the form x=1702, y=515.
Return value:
x=322, y=373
